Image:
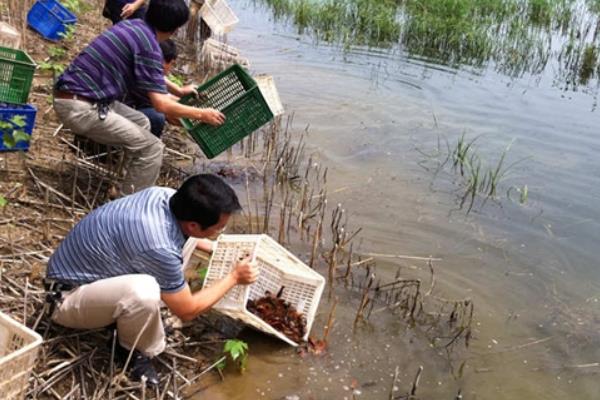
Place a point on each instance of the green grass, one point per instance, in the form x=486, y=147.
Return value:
x=513, y=35
x=356, y=22
x=480, y=179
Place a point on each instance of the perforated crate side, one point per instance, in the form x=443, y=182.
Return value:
x=9, y=36
x=227, y=252
x=220, y=91
x=236, y=94
x=278, y=267
x=218, y=16
x=270, y=93
x=16, y=75
x=214, y=46
x=303, y=285
x=19, y=352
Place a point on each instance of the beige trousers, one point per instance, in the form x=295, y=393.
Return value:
x=123, y=126
x=132, y=301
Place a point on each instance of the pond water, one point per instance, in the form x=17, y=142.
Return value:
x=377, y=118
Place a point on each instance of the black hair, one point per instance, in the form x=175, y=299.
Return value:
x=203, y=198
x=169, y=50
x=167, y=15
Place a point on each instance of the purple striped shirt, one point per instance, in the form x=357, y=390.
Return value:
x=123, y=58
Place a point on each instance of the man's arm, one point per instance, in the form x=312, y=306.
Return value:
x=163, y=103
x=205, y=245
x=179, y=91
x=187, y=305
x=130, y=8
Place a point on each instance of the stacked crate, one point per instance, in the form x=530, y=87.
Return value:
x=17, y=118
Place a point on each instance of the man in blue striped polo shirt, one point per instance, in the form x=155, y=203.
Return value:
x=126, y=57
x=122, y=259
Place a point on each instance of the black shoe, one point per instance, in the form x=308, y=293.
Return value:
x=139, y=365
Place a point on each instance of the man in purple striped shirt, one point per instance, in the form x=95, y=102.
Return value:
x=126, y=57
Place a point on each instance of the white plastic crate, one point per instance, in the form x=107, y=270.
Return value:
x=267, y=87
x=9, y=36
x=278, y=267
x=219, y=56
x=211, y=45
x=18, y=351
x=218, y=16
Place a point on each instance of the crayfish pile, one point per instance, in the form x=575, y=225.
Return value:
x=280, y=315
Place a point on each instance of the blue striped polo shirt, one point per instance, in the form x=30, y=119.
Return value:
x=122, y=58
x=137, y=234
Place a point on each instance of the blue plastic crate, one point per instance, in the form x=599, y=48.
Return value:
x=50, y=18
x=7, y=112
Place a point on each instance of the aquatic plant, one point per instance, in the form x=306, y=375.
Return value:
x=513, y=36
x=372, y=22
x=479, y=178
x=237, y=351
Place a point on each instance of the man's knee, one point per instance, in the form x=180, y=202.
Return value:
x=144, y=292
x=144, y=122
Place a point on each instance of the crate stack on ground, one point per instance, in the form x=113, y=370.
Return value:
x=17, y=118
x=281, y=273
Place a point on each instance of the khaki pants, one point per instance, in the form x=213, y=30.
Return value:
x=131, y=301
x=123, y=126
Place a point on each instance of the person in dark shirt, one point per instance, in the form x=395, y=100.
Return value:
x=139, y=99
x=118, y=10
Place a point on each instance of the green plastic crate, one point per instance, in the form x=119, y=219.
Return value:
x=235, y=94
x=16, y=74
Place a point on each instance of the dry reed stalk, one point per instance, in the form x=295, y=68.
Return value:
x=330, y=321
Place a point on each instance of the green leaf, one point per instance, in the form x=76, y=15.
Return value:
x=19, y=121
x=176, y=79
x=202, y=273
x=237, y=349
x=3, y=201
x=21, y=136
x=8, y=140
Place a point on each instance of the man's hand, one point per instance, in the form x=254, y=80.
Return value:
x=188, y=89
x=212, y=117
x=245, y=272
x=131, y=8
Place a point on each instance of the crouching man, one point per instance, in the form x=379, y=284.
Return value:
x=122, y=259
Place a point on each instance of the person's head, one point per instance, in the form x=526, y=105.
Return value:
x=169, y=51
x=203, y=204
x=166, y=16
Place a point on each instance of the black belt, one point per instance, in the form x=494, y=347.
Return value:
x=54, y=285
x=101, y=104
x=54, y=292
